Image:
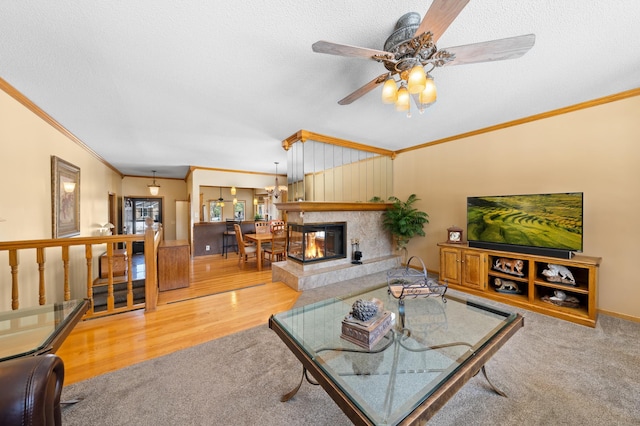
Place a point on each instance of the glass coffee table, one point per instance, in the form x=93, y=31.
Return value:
x=38, y=330
x=410, y=374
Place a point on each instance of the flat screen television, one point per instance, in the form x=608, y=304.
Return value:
x=541, y=224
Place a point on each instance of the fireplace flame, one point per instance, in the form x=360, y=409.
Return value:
x=312, y=250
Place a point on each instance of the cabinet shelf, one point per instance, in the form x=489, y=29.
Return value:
x=502, y=275
x=475, y=271
x=564, y=287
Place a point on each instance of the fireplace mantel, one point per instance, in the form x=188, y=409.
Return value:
x=330, y=206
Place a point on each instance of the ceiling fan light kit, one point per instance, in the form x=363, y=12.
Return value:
x=412, y=47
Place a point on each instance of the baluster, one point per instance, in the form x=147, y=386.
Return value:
x=129, y=275
x=13, y=262
x=40, y=258
x=88, y=254
x=65, y=264
x=110, y=298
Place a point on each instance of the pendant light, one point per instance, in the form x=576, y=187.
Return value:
x=154, y=188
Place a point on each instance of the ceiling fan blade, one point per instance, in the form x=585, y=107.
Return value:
x=494, y=50
x=346, y=50
x=364, y=89
x=439, y=16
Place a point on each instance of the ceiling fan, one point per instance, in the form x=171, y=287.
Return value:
x=412, y=47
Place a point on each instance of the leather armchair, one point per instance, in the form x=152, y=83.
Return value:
x=30, y=390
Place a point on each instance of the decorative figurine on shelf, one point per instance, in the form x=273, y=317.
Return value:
x=559, y=274
x=509, y=266
x=505, y=286
x=560, y=298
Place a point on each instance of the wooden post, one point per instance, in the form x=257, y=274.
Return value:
x=151, y=270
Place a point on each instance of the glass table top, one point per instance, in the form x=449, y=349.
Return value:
x=389, y=381
x=28, y=331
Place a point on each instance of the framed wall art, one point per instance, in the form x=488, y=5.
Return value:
x=65, y=198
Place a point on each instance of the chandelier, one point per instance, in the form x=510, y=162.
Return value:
x=414, y=82
x=277, y=189
x=154, y=188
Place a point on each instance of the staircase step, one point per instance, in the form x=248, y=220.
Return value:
x=119, y=298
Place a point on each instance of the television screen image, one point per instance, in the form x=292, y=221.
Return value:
x=552, y=221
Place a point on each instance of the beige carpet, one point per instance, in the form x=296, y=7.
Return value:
x=553, y=371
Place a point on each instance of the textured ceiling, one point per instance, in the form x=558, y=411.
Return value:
x=162, y=85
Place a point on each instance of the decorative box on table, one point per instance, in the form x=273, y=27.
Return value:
x=367, y=333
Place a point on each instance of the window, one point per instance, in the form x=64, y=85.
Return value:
x=215, y=211
x=238, y=210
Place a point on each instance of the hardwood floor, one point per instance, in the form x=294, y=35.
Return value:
x=224, y=297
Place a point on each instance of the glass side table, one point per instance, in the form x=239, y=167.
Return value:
x=38, y=330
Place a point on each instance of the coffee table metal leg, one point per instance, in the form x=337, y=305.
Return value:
x=495, y=389
x=290, y=394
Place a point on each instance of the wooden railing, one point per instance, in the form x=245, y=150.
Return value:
x=151, y=238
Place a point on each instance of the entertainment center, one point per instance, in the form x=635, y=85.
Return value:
x=562, y=288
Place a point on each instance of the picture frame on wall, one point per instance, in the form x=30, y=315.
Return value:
x=65, y=198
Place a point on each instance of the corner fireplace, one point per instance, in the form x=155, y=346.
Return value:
x=314, y=242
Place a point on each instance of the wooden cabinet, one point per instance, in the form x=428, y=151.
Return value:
x=173, y=264
x=120, y=264
x=563, y=288
x=464, y=267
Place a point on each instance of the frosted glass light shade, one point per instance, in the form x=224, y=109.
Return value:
x=154, y=189
x=389, y=91
x=429, y=94
x=417, y=79
x=402, y=104
x=233, y=190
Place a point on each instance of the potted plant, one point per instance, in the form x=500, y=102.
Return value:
x=404, y=221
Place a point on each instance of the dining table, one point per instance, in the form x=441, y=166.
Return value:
x=259, y=239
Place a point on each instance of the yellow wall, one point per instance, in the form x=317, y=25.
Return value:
x=27, y=143
x=594, y=150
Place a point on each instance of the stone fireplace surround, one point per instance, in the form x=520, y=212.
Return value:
x=364, y=222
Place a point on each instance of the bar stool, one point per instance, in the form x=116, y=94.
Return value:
x=229, y=237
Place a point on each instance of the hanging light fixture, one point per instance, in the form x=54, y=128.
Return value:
x=154, y=188
x=233, y=190
x=220, y=200
x=276, y=189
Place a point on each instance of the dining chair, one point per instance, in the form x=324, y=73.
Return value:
x=244, y=249
x=277, y=250
x=262, y=228
x=276, y=225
